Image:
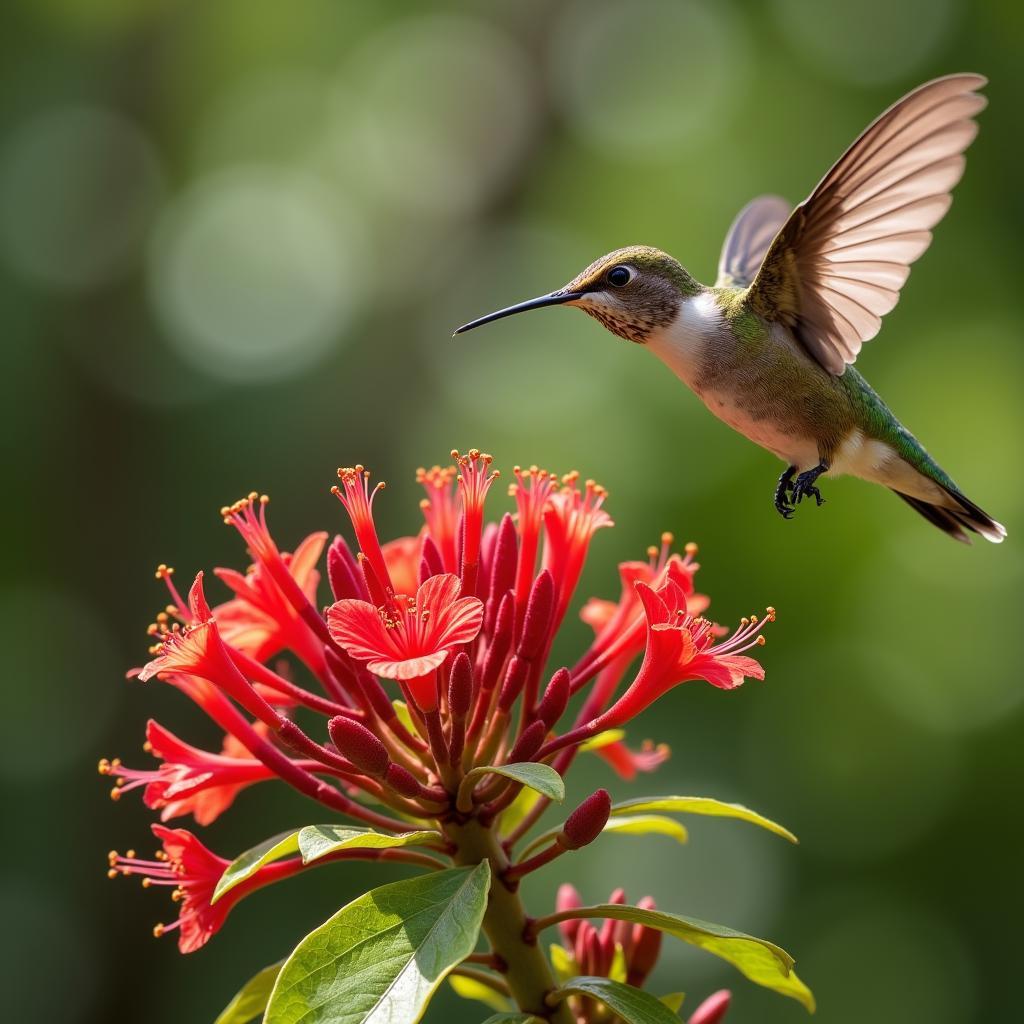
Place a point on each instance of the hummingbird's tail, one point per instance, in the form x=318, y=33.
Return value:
x=957, y=517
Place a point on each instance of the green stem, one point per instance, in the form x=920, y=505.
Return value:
x=505, y=923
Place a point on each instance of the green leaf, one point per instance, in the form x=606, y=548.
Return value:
x=618, y=969
x=380, y=958
x=701, y=805
x=602, y=739
x=673, y=1000
x=761, y=961
x=470, y=988
x=540, y=777
x=251, y=999
x=563, y=963
x=633, y=1005
x=636, y=824
x=402, y=712
x=316, y=841
x=282, y=845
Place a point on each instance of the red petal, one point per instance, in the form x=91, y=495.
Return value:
x=356, y=626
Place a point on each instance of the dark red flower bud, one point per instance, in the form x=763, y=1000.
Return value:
x=402, y=781
x=537, y=621
x=529, y=743
x=343, y=572
x=460, y=686
x=586, y=938
x=584, y=825
x=432, y=556
x=359, y=745
x=503, y=564
x=556, y=698
x=618, y=897
x=713, y=1009
x=501, y=641
x=515, y=678
x=646, y=947
x=568, y=899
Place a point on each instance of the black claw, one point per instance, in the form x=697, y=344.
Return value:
x=782, y=490
x=804, y=486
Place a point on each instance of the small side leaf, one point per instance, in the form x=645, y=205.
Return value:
x=380, y=958
x=602, y=739
x=540, y=777
x=251, y=999
x=701, y=805
x=402, y=712
x=518, y=809
x=761, y=961
x=673, y=1000
x=470, y=988
x=633, y=824
x=316, y=841
x=285, y=844
x=563, y=963
x=633, y=1005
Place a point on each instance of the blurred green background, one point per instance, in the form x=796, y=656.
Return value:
x=234, y=240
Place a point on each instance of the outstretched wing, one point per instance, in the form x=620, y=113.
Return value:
x=749, y=237
x=838, y=264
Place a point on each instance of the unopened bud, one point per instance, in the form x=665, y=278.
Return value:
x=359, y=745
x=460, y=686
x=402, y=781
x=432, y=557
x=568, y=899
x=713, y=1009
x=343, y=572
x=501, y=640
x=529, y=743
x=618, y=897
x=584, y=825
x=503, y=564
x=515, y=679
x=556, y=698
x=646, y=945
x=537, y=621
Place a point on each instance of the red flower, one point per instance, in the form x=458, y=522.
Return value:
x=260, y=620
x=193, y=871
x=680, y=648
x=411, y=640
x=627, y=763
x=190, y=780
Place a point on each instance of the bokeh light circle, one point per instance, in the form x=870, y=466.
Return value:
x=649, y=77
x=252, y=274
x=869, y=41
x=79, y=187
x=434, y=112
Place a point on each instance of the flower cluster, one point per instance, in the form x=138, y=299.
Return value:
x=404, y=703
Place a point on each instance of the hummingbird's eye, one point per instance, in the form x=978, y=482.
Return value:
x=619, y=276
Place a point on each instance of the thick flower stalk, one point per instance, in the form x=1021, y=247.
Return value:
x=420, y=710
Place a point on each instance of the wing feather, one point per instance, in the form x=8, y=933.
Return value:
x=748, y=240
x=837, y=264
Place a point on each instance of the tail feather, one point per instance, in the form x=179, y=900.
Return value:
x=958, y=520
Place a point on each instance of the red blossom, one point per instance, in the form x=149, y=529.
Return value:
x=411, y=640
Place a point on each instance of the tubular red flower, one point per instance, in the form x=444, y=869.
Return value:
x=439, y=512
x=474, y=481
x=713, y=1009
x=412, y=641
x=628, y=763
x=193, y=871
x=680, y=648
x=190, y=780
x=355, y=494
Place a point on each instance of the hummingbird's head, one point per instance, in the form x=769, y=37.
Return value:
x=632, y=291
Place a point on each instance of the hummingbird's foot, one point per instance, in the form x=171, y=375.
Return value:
x=804, y=485
x=782, y=489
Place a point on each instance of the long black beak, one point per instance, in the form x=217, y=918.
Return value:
x=554, y=299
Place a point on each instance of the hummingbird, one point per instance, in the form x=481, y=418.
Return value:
x=770, y=347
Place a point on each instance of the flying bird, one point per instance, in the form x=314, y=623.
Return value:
x=770, y=347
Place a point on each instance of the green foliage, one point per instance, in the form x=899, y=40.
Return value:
x=540, y=777
x=251, y=999
x=284, y=844
x=470, y=988
x=633, y=1005
x=318, y=841
x=761, y=961
x=513, y=1018
x=700, y=805
x=381, y=957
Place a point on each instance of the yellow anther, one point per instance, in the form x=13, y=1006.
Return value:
x=761, y=640
x=691, y=548
x=115, y=794
x=147, y=882
x=652, y=552
x=112, y=873
x=771, y=613
x=130, y=854
x=667, y=538
x=158, y=930
x=104, y=766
